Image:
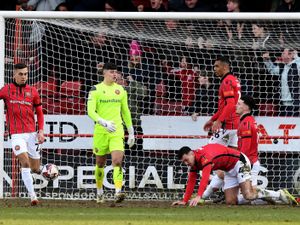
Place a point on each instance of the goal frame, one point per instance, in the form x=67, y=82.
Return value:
x=113, y=15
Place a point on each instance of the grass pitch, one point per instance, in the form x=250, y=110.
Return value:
x=15, y=212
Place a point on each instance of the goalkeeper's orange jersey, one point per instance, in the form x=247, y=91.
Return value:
x=229, y=94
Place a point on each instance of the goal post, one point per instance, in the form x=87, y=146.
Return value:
x=2, y=73
x=166, y=62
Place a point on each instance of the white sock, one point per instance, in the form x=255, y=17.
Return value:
x=208, y=192
x=242, y=200
x=28, y=181
x=215, y=183
x=275, y=195
x=100, y=191
x=258, y=202
x=268, y=193
x=118, y=190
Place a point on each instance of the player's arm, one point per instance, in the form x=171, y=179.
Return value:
x=272, y=69
x=215, y=116
x=192, y=178
x=204, y=180
x=40, y=116
x=246, y=138
x=92, y=111
x=92, y=105
x=126, y=115
x=3, y=92
x=203, y=183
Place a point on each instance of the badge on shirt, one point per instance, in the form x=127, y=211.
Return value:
x=27, y=94
x=117, y=92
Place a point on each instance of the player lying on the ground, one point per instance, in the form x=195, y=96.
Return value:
x=218, y=157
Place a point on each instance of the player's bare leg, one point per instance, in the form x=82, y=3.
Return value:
x=27, y=177
x=117, y=159
x=35, y=165
x=247, y=190
x=99, y=176
x=231, y=195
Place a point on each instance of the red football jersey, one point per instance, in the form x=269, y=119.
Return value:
x=248, y=137
x=229, y=94
x=210, y=157
x=20, y=102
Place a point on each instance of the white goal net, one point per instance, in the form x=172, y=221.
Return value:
x=167, y=68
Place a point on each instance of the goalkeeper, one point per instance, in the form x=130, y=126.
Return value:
x=107, y=101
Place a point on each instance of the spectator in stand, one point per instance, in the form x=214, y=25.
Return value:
x=187, y=77
x=157, y=6
x=204, y=103
x=288, y=6
x=288, y=70
x=262, y=38
x=170, y=80
x=142, y=71
x=43, y=5
x=193, y=6
x=233, y=6
x=62, y=7
x=136, y=92
x=115, y=5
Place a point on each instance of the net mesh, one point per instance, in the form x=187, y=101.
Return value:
x=167, y=69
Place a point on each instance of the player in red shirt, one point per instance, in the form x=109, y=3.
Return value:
x=248, y=144
x=224, y=123
x=216, y=157
x=21, y=100
x=235, y=165
x=248, y=134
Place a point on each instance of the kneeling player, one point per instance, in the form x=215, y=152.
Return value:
x=218, y=157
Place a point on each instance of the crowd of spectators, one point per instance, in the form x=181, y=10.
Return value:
x=155, y=5
x=176, y=73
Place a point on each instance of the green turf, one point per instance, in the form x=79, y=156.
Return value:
x=208, y=215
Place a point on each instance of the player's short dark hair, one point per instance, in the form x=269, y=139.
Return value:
x=184, y=150
x=224, y=60
x=110, y=66
x=20, y=66
x=249, y=101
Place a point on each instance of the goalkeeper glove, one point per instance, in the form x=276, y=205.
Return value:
x=108, y=125
x=131, y=139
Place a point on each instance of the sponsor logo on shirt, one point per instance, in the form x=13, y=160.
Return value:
x=20, y=102
x=109, y=100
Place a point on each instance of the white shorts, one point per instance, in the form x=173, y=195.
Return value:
x=25, y=142
x=254, y=172
x=239, y=174
x=224, y=137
